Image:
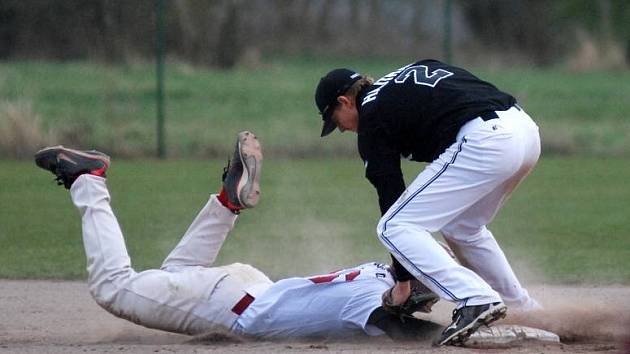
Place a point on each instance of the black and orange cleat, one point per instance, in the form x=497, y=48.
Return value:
x=68, y=164
x=241, y=177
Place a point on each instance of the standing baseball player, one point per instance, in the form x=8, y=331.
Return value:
x=191, y=296
x=479, y=144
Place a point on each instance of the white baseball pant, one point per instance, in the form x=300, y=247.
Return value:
x=458, y=194
x=186, y=295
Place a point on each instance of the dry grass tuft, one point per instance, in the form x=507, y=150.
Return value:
x=21, y=130
x=592, y=54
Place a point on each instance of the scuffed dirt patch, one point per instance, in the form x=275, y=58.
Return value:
x=61, y=317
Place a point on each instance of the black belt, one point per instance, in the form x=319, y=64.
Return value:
x=490, y=115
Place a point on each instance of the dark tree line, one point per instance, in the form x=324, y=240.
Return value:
x=222, y=32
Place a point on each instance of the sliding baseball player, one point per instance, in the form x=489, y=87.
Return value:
x=190, y=295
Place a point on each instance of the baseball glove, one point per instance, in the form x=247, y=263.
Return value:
x=421, y=300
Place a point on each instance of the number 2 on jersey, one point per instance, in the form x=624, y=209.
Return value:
x=420, y=74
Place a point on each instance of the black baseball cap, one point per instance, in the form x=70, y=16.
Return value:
x=331, y=86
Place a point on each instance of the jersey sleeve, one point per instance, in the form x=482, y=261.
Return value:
x=400, y=273
x=389, y=188
x=382, y=169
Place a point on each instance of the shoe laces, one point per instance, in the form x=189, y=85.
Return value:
x=455, y=313
x=63, y=177
x=60, y=180
x=226, y=169
x=65, y=180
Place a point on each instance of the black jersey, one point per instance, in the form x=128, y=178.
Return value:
x=416, y=112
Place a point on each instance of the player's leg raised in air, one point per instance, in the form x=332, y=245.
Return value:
x=186, y=295
x=190, y=295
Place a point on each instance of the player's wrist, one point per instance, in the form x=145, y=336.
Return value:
x=401, y=292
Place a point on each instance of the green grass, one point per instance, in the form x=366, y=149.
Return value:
x=113, y=107
x=567, y=223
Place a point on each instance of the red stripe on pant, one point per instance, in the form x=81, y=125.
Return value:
x=243, y=304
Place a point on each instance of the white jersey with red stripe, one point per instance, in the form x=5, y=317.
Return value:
x=335, y=304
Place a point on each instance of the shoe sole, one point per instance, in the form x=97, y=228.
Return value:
x=485, y=318
x=250, y=153
x=44, y=157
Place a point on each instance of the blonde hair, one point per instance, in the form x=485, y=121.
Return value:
x=363, y=82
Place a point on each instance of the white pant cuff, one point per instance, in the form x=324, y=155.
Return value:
x=219, y=208
x=479, y=300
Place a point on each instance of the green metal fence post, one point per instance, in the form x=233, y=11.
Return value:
x=159, y=53
x=448, y=41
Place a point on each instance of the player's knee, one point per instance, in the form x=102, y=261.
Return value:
x=465, y=236
x=105, y=289
x=103, y=294
x=380, y=227
x=388, y=228
x=388, y=225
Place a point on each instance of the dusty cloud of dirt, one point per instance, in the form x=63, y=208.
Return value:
x=581, y=315
x=61, y=317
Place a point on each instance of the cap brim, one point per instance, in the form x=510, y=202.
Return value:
x=329, y=127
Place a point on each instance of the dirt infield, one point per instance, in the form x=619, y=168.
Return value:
x=60, y=317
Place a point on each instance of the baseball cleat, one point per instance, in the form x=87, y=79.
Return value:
x=241, y=177
x=68, y=164
x=468, y=319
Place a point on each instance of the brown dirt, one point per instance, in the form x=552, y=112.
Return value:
x=61, y=317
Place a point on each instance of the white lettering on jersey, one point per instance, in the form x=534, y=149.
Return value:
x=380, y=83
x=364, y=271
x=421, y=75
